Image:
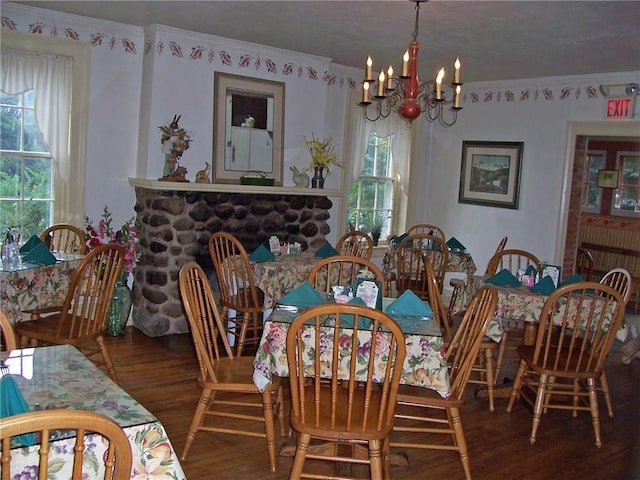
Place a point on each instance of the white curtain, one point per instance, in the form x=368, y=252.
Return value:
x=50, y=76
x=394, y=127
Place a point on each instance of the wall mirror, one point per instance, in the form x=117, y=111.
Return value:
x=248, y=127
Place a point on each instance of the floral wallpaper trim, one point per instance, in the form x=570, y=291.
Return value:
x=247, y=60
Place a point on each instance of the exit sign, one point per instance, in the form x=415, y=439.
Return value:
x=623, y=107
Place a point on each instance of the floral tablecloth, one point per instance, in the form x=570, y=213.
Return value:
x=282, y=275
x=515, y=304
x=36, y=286
x=424, y=364
x=61, y=377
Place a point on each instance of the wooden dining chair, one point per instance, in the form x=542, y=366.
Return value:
x=426, y=229
x=584, y=263
x=343, y=270
x=343, y=386
x=63, y=237
x=412, y=252
x=513, y=333
x=238, y=291
x=7, y=337
x=459, y=283
x=356, y=244
x=81, y=319
x=619, y=279
x=116, y=461
x=228, y=391
x=422, y=413
x=578, y=324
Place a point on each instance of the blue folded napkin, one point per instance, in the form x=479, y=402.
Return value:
x=575, y=278
x=398, y=240
x=454, y=244
x=503, y=278
x=304, y=296
x=531, y=270
x=409, y=304
x=326, y=250
x=12, y=403
x=262, y=254
x=346, y=319
x=39, y=253
x=544, y=286
x=29, y=244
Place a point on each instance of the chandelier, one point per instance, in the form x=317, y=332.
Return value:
x=406, y=94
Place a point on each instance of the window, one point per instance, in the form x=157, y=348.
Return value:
x=591, y=194
x=26, y=171
x=379, y=173
x=627, y=196
x=45, y=92
x=372, y=193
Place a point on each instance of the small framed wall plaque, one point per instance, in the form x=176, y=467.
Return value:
x=608, y=178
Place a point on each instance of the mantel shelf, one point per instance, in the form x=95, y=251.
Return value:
x=229, y=187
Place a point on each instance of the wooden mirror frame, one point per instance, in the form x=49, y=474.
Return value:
x=227, y=84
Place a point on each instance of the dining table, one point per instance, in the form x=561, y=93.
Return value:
x=424, y=364
x=62, y=377
x=27, y=286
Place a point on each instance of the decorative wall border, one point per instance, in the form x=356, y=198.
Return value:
x=247, y=60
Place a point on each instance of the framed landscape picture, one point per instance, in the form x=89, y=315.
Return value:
x=490, y=173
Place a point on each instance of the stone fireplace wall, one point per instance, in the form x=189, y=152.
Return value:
x=175, y=227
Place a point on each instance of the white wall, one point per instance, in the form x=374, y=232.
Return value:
x=542, y=123
x=133, y=92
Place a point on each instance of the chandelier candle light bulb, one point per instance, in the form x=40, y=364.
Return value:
x=405, y=64
x=368, y=69
x=439, y=79
x=381, y=84
x=456, y=73
x=365, y=92
x=390, y=78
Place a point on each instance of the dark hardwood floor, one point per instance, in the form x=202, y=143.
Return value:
x=160, y=374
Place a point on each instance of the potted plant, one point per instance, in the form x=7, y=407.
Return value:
x=323, y=157
x=375, y=222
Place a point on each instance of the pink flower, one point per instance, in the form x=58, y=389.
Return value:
x=127, y=236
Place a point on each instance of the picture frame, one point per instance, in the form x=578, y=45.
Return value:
x=608, y=178
x=248, y=128
x=490, y=173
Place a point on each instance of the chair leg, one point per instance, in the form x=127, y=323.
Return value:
x=197, y=420
x=537, y=410
x=515, y=389
x=108, y=361
x=604, y=384
x=301, y=454
x=269, y=428
x=375, y=460
x=595, y=414
x=243, y=333
x=461, y=443
x=281, y=412
x=488, y=358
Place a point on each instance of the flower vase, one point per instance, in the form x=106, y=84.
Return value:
x=318, y=180
x=120, y=307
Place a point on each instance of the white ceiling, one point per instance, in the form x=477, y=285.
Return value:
x=495, y=39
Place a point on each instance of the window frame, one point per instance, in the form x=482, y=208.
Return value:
x=392, y=177
x=586, y=182
x=620, y=156
x=68, y=193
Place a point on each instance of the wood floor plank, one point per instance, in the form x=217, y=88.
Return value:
x=160, y=373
